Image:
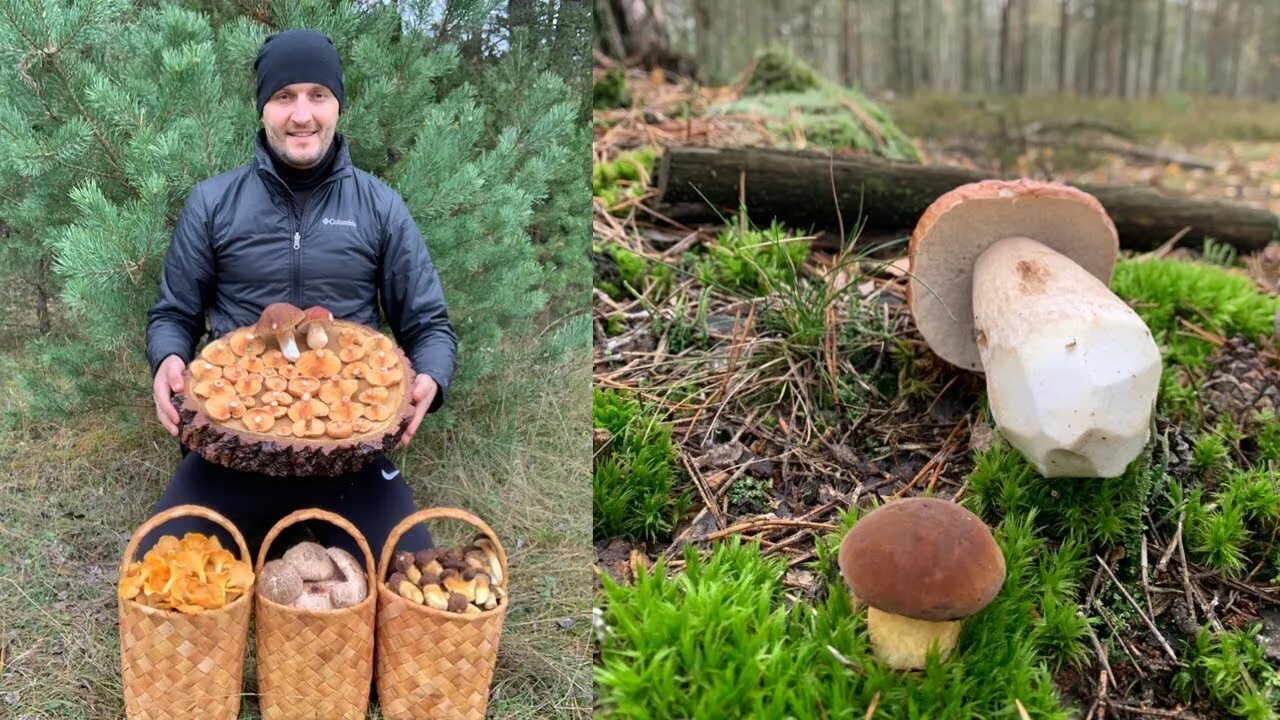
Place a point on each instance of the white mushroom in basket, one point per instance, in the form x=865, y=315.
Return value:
x=1010, y=278
x=280, y=582
x=279, y=320
x=354, y=587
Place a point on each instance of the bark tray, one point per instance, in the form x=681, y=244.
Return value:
x=249, y=408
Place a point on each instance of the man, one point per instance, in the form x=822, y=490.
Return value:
x=299, y=224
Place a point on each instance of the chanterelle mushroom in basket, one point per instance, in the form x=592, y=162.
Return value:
x=280, y=320
x=1010, y=278
x=921, y=565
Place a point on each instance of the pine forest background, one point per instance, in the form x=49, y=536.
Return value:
x=476, y=111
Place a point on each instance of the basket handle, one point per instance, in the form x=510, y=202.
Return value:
x=298, y=516
x=446, y=513
x=178, y=511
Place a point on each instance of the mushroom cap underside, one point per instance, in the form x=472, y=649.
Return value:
x=964, y=222
x=922, y=558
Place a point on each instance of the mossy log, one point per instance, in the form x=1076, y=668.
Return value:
x=804, y=190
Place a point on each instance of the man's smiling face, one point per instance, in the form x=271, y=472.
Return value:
x=299, y=121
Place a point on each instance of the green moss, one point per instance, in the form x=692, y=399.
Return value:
x=830, y=117
x=1231, y=669
x=1267, y=437
x=750, y=495
x=624, y=178
x=1235, y=523
x=1095, y=511
x=778, y=70
x=632, y=484
x=610, y=91
x=720, y=640
x=1210, y=454
x=750, y=261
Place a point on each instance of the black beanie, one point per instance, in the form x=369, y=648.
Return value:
x=297, y=56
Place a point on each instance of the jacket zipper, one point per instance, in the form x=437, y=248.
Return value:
x=299, y=216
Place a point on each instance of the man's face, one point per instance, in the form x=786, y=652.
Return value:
x=299, y=120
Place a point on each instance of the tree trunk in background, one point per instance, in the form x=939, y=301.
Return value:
x=1239, y=36
x=1005, y=27
x=1184, y=62
x=846, y=47
x=1024, y=43
x=1064, y=40
x=966, y=47
x=1126, y=47
x=899, y=72
x=1157, y=55
x=1095, y=35
x=927, y=22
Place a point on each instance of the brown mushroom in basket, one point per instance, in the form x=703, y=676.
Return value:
x=333, y=390
x=274, y=359
x=920, y=565
x=280, y=320
x=351, y=353
x=316, y=322
x=218, y=406
x=456, y=604
x=306, y=408
x=345, y=410
x=338, y=429
x=355, y=370
x=312, y=428
x=246, y=343
x=258, y=419
x=203, y=370
x=318, y=364
x=491, y=554
x=275, y=383
x=218, y=353
x=304, y=385
x=436, y=597
x=251, y=363
x=214, y=388
x=249, y=384
x=384, y=377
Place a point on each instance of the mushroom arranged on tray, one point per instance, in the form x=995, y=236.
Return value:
x=465, y=580
x=258, y=402
x=1011, y=278
x=921, y=565
x=312, y=577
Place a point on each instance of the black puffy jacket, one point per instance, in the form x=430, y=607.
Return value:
x=240, y=244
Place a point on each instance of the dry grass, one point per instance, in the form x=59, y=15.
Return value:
x=72, y=495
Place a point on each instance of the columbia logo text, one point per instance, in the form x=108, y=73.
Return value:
x=335, y=221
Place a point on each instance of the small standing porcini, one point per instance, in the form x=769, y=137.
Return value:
x=279, y=320
x=1010, y=278
x=921, y=565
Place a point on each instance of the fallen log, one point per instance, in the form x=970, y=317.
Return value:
x=805, y=189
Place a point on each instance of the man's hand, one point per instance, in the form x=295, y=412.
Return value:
x=424, y=391
x=168, y=381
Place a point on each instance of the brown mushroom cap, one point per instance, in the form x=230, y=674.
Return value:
x=345, y=410
x=312, y=561
x=316, y=315
x=922, y=558
x=277, y=318
x=961, y=224
x=381, y=359
x=378, y=413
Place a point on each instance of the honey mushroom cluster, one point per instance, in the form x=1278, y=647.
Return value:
x=312, y=577
x=465, y=580
x=248, y=379
x=190, y=575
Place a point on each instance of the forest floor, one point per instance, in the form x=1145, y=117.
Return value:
x=794, y=393
x=73, y=493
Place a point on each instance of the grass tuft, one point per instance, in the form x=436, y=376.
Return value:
x=632, y=483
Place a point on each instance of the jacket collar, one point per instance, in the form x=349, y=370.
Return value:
x=342, y=165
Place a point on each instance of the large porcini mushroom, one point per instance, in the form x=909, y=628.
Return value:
x=316, y=322
x=921, y=565
x=280, y=582
x=1010, y=278
x=315, y=597
x=353, y=588
x=280, y=320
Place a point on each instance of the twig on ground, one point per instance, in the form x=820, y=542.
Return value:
x=1145, y=618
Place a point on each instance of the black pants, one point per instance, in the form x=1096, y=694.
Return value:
x=374, y=499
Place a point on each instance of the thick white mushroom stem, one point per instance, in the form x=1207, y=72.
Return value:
x=1072, y=371
x=288, y=347
x=316, y=336
x=903, y=643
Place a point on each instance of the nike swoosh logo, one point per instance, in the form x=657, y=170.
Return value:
x=391, y=476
